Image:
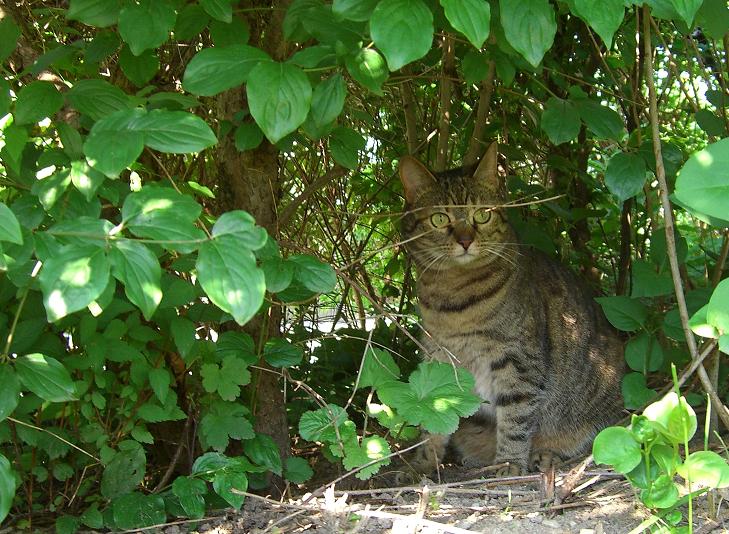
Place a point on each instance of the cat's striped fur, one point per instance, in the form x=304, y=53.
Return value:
x=542, y=353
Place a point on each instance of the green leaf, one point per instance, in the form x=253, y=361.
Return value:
x=372, y=448
x=603, y=16
x=214, y=70
x=72, y=279
x=232, y=33
x=700, y=324
x=160, y=380
x=221, y=10
x=717, y=311
x=280, y=353
x=297, y=470
x=319, y=425
x=345, y=145
x=710, y=122
x=238, y=344
x=687, y=9
x=225, y=481
x=142, y=435
x=183, y=332
x=141, y=68
x=231, y=278
x=643, y=353
x=9, y=34
x=7, y=487
x=624, y=313
x=278, y=273
x=615, y=446
x=706, y=468
x=703, y=182
x=227, y=378
x=113, y=143
x=9, y=226
x=327, y=103
x=529, y=26
x=316, y=275
x=263, y=451
x=475, y=66
x=403, y=30
x=10, y=387
x=470, y=17
x=240, y=226
x=625, y=175
x=86, y=179
x=247, y=136
x=661, y=493
x=50, y=189
x=190, y=491
x=125, y=471
x=674, y=417
x=135, y=266
x=279, y=96
x=191, y=20
x=560, y=120
x=635, y=392
x=368, y=68
x=92, y=517
x=436, y=395
x=648, y=283
x=4, y=97
x=36, y=101
x=378, y=368
x=224, y=421
x=135, y=510
x=146, y=24
x=98, y=98
x=99, y=13
x=176, y=132
x=359, y=10
x=602, y=121
x=713, y=18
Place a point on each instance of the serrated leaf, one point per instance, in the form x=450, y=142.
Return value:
x=146, y=24
x=7, y=487
x=227, y=378
x=135, y=266
x=529, y=26
x=213, y=70
x=368, y=68
x=224, y=482
x=436, y=396
x=702, y=185
x=470, y=17
x=10, y=387
x=9, y=226
x=36, y=101
x=403, y=30
x=603, y=16
x=73, y=279
x=297, y=470
x=378, y=368
x=319, y=425
x=224, y=421
x=99, y=13
x=279, y=96
x=624, y=313
x=560, y=120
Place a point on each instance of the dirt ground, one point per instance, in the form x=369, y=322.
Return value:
x=580, y=501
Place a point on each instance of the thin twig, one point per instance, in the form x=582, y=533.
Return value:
x=59, y=438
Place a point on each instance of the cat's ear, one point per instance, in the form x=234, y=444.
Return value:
x=487, y=172
x=414, y=176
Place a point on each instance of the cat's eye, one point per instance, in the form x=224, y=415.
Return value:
x=439, y=220
x=482, y=216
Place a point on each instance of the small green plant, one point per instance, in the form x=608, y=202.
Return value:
x=648, y=452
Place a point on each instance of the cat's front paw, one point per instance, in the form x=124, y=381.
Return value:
x=544, y=460
x=512, y=468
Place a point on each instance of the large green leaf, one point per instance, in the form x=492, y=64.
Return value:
x=221, y=10
x=625, y=175
x=263, y=451
x=139, y=69
x=297, y=470
x=279, y=96
x=372, y=448
x=359, y=10
x=345, y=145
x=713, y=17
x=72, y=279
x=146, y=24
x=10, y=387
x=368, y=67
x=327, y=102
x=624, y=313
x=687, y=9
x=135, y=266
x=9, y=226
x=9, y=34
x=125, y=470
x=190, y=491
x=529, y=26
x=378, y=368
x=703, y=182
x=280, y=353
x=46, y=377
x=470, y=17
x=643, y=353
x=86, y=179
x=7, y=487
x=241, y=226
x=602, y=121
x=706, y=468
x=115, y=142
x=227, y=378
x=560, y=120
x=717, y=311
x=319, y=425
x=36, y=101
x=316, y=275
x=403, y=30
x=213, y=70
x=615, y=446
x=222, y=422
x=98, y=98
x=136, y=510
x=230, y=277
x=99, y=13
x=176, y=132
x=603, y=16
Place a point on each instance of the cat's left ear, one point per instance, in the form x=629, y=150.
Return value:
x=414, y=176
x=487, y=172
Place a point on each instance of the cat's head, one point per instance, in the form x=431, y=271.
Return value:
x=453, y=218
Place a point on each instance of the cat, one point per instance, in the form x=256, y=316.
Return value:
x=543, y=355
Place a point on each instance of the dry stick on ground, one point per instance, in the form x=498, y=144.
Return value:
x=446, y=91
x=668, y=215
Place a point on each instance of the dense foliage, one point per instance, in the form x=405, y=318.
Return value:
x=198, y=227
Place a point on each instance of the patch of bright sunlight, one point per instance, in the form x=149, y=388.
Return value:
x=704, y=158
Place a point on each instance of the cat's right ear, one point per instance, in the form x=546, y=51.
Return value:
x=414, y=176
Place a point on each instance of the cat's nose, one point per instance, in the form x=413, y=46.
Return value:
x=465, y=242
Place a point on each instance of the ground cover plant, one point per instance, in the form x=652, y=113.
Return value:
x=202, y=286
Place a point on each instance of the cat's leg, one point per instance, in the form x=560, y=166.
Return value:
x=427, y=457
x=474, y=443
x=515, y=422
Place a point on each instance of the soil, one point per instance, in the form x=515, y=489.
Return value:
x=579, y=500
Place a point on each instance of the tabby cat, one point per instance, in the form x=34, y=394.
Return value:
x=544, y=357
